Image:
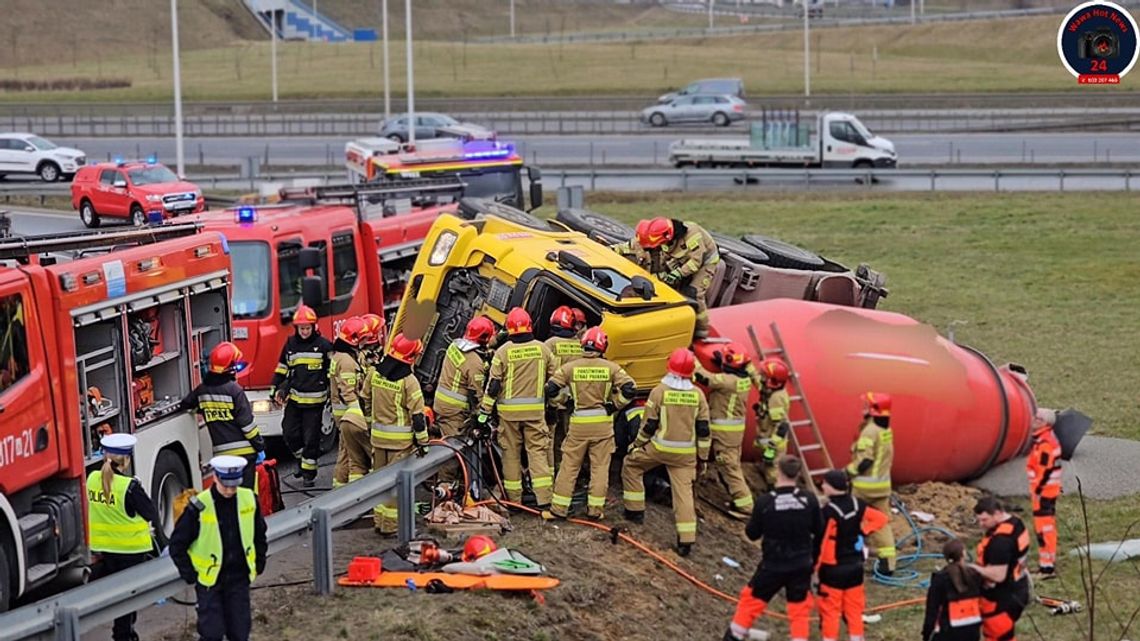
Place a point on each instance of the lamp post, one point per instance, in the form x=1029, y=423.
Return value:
x=411, y=75
x=178, y=147
x=387, y=85
x=273, y=51
x=807, y=51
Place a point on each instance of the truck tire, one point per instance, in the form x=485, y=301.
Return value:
x=170, y=479
x=600, y=227
x=740, y=248
x=471, y=208
x=48, y=171
x=87, y=214
x=781, y=254
x=6, y=552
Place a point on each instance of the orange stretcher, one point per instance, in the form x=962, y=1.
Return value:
x=506, y=582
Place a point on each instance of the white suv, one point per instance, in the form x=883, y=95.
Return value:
x=30, y=154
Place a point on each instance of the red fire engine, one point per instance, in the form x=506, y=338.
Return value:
x=100, y=332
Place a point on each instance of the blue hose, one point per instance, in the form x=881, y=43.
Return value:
x=905, y=575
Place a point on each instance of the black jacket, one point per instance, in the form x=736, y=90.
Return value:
x=791, y=526
x=291, y=375
x=229, y=416
x=938, y=597
x=234, y=568
x=137, y=503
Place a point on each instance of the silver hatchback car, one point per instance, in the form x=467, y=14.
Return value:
x=720, y=110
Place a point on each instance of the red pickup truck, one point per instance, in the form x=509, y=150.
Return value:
x=135, y=191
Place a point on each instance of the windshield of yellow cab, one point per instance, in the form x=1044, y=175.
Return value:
x=607, y=282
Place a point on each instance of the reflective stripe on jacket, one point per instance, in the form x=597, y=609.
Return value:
x=111, y=529
x=206, y=550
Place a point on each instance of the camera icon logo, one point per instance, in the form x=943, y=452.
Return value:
x=1097, y=43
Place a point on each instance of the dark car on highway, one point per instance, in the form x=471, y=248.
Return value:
x=433, y=125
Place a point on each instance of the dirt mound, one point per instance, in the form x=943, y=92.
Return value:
x=951, y=504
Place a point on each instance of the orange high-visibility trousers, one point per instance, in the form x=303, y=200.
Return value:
x=750, y=608
x=998, y=621
x=836, y=604
x=1045, y=524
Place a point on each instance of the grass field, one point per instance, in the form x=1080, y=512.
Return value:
x=925, y=58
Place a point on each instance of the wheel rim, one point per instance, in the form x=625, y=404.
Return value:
x=85, y=214
x=138, y=218
x=49, y=173
x=168, y=490
x=658, y=119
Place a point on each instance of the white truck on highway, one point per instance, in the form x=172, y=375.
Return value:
x=832, y=140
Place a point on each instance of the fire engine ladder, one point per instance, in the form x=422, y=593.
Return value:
x=804, y=433
x=378, y=191
x=24, y=249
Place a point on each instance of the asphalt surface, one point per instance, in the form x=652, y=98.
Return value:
x=1105, y=466
x=639, y=150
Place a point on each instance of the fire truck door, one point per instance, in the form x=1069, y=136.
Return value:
x=29, y=444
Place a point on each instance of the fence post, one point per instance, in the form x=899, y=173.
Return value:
x=593, y=179
x=1061, y=176
x=685, y=179
x=1127, y=180
x=322, y=552
x=67, y=624
x=406, y=505
x=997, y=179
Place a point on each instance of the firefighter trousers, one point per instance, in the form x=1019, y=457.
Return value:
x=223, y=610
x=575, y=451
x=698, y=289
x=682, y=475
x=559, y=423
x=450, y=424
x=386, y=516
x=839, y=603
x=883, y=539
x=534, y=434
x=356, y=442
x=1045, y=524
x=301, y=429
x=727, y=461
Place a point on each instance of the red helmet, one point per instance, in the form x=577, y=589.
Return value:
x=405, y=349
x=226, y=358
x=682, y=363
x=655, y=232
x=595, y=339
x=352, y=331
x=877, y=404
x=477, y=547
x=562, y=317
x=775, y=372
x=374, y=328
x=734, y=356
x=304, y=316
x=479, y=330
x=518, y=322
x=579, y=317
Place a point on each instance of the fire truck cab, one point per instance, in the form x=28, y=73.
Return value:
x=100, y=332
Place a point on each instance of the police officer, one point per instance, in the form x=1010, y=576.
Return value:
x=398, y=423
x=301, y=384
x=675, y=433
x=872, y=455
x=728, y=396
x=515, y=383
x=223, y=404
x=462, y=376
x=345, y=381
x=219, y=547
x=120, y=516
x=680, y=253
x=596, y=385
x=565, y=344
x=772, y=412
x=1002, y=556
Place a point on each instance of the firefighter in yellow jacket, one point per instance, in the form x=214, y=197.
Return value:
x=515, y=383
x=398, y=423
x=565, y=343
x=598, y=387
x=680, y=253
x=345, y=381
x=728, y=393
x=675, y=433
x=870, y=470
x=772, y=412
x=461, y=379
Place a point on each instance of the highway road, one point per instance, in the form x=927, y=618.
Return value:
x=640, y=150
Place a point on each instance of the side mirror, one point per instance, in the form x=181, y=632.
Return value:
x=312, y=292
x=534, y=175
x=29, y=149
x=310, y=258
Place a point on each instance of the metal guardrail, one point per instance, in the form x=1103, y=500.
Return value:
x=67, y=616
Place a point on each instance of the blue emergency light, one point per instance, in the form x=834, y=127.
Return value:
x=152, y=159
x=246, y=215
x=486, y=149
x=118, y=160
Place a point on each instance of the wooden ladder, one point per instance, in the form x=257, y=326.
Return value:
x=806, y=441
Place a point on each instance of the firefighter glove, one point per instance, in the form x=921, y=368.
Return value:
x=638, y=442
x=482, y=418
x=671, y=277
x=702, y=467
x=261, y=457
x=721, y=458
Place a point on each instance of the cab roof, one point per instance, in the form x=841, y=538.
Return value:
x=284, y=217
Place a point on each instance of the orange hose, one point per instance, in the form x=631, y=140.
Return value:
x=459, y=457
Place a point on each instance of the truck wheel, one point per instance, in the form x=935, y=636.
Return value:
x=471, y=208
x=740, y=248
x=88, y=216
x=658, y=119
x=781, y=254
x=720, y=119
x=5, y=574
x=48, y=171
x=170, y=479
x=597, y=226
x=138, y=216
x=865, y=164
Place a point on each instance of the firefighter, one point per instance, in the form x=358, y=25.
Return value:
x=870, y=470
x=229, y=417
x=301, y=384
x=681, y=254
x=516, y=382
x=846, y=520
x=369, y=354
x=565, y=344
x=219, y=547
x=1043, y=466
x=598, y=387
x=398, y=423
x=462, y=376
x=1001, y=557
x=120, y=516
x=728, y=396
x=953, y=606
x=772, y=414
x=345, y=381
x=675, y=433
x=789, y=521
x=579, y=321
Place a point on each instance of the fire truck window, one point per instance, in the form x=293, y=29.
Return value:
x=289, y=275
x=13, y=341
x=344, y=264
x=251, y=279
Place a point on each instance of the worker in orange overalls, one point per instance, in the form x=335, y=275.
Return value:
x=1043, y=466
x=846, y=520
x=1001, y=561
